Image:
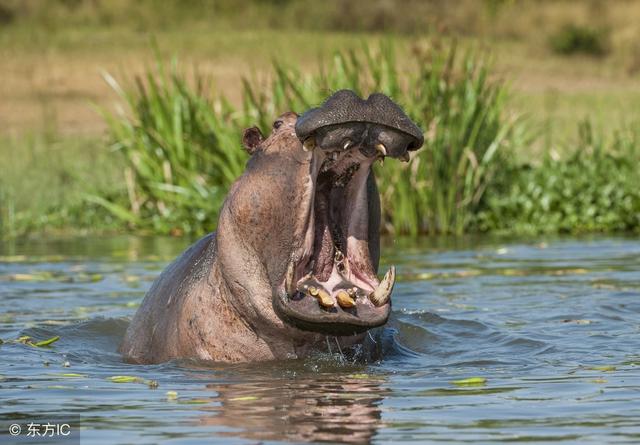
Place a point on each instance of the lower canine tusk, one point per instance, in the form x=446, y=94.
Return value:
x=380, y=148
x=288, y=282
x=381, y=295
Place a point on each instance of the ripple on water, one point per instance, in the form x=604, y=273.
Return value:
x=552, y=326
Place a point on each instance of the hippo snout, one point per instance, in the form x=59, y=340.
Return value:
x=377, y=125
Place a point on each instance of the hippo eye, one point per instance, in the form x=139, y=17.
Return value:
x=277, y=124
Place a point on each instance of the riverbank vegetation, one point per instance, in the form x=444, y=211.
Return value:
x=181, y=144
x=523, y=134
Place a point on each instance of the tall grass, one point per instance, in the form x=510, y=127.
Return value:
x=469, y=139
x=181, y=153
x=181, y=141
x=7, y=214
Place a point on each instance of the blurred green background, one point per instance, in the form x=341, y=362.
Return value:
x=565, y=75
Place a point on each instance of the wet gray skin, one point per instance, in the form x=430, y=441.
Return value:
x=296, y=253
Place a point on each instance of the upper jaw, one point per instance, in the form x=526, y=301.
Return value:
x=376, y=120
x=374, y=141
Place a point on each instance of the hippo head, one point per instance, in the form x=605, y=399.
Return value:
x=298, y=236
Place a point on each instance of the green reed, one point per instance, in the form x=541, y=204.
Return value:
x=181, y=141
x=181, y=151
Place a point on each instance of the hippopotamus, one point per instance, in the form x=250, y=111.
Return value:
x=294, y=259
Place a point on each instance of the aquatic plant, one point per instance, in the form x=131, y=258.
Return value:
x=594, y=188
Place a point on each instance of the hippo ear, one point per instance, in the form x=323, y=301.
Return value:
x=251, y=139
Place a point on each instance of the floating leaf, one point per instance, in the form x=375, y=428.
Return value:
x=125, y=379
x=37, y=276
x=244, y=398
x=194, y=401
x=471, y=381
x=467, y=273
x=561, y=272
x=603, y=368
x=22, y=277
x=132, y=379
x=71, y=375
x=46, y=342
x=131, y=278
x=512, y=272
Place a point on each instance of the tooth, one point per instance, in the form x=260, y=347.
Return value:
x=313, y=291
x=347, y=145
x=323, y=297
x=381, y=295
x=288, y=282
x=344, y=299
x=381, y=159
x=334, y=155
x=309, y=144
x=405, y=157
x=380, y=148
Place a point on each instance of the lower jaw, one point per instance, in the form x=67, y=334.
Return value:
x=308, y=317
x=334, y=307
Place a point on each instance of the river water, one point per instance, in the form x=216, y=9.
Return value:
x=548, y=329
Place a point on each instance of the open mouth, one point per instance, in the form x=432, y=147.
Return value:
x=332, y=287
